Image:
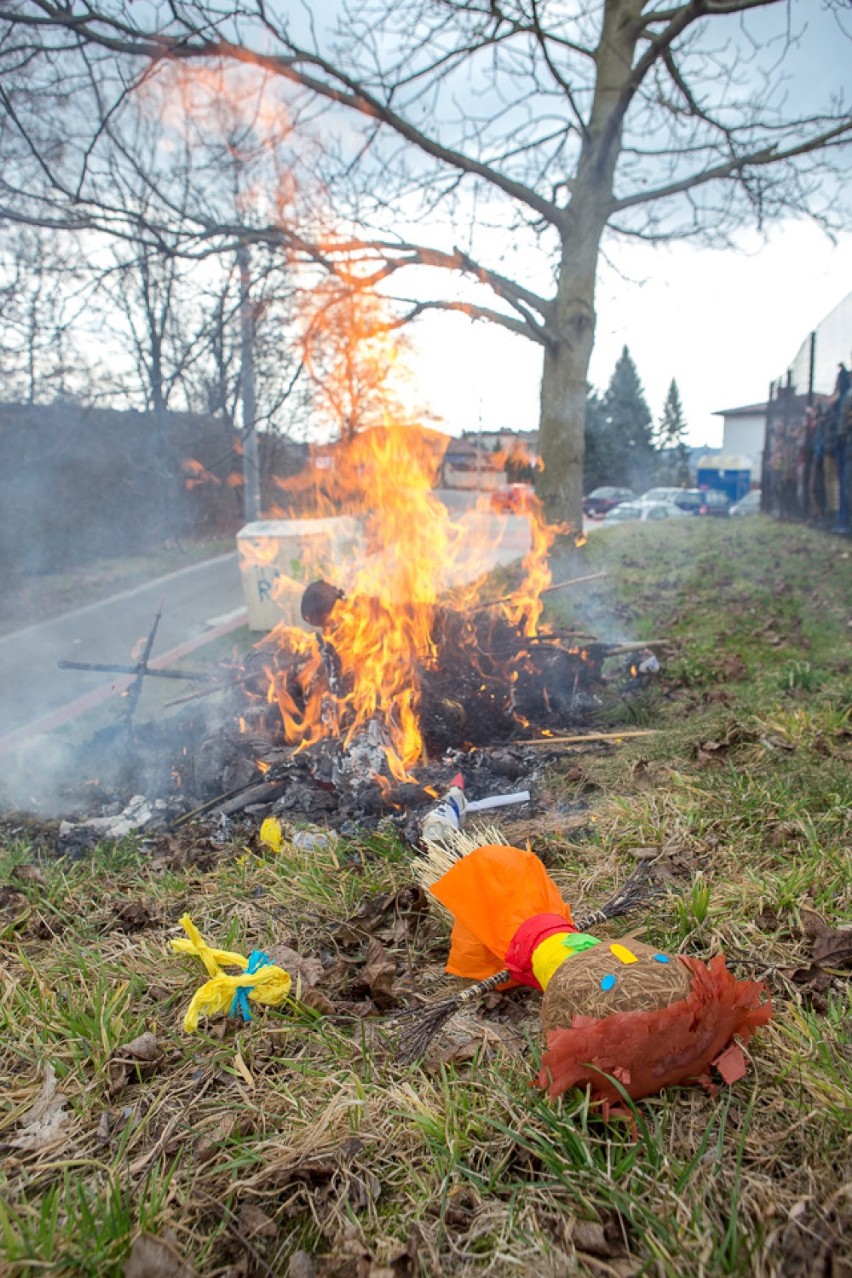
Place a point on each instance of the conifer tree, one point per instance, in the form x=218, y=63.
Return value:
x=596, y=458
x=670, y=433
x=627, y=443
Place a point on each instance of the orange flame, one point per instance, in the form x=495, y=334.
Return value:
x=197, y=474
x=382, y=632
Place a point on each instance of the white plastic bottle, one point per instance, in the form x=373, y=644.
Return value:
x=444, y=819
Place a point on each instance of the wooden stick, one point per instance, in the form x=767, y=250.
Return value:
x=195, y=696
x=619, y=649
x=590, y=736
x=559, y=585
x=575, y=581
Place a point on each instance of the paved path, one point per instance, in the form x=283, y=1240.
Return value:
x=199, y=603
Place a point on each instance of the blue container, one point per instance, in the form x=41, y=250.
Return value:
x=733, y=481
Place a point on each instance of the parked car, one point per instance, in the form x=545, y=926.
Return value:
x=628, y=511
x=714, y=503
x=601, y=500
x=748, y=505
x=694, y=501
x=690, y=500
x=669, y=495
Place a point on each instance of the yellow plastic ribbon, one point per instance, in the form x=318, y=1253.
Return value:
x=272, y=834
x=268, y=984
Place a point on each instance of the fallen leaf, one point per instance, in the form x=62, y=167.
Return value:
x=767, y=920
x=834, y=948
x=642, y=775
x=408, y=903
x=12, y=900
x=255, y=1223
x=301, y=1265
x=594, y=1239
x=362, y=1190
x=135, y=1060
x=732, y=667
x=43, y=1124
x=717, y=696
x=152, y=1257
x=644, y=854
x=813, y=1243
x=813, y=924
x=473, y=1048
x=378, y=974
x=132, y=916
x=308, y=971
x=771, y=741
x=30, y=874
x=316, y=1001
x=144, y=1048
x=589, y=1236
x=311, y=1171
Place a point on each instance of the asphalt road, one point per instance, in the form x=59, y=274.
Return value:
x=198, y=603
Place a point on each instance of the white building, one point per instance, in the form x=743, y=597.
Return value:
x=743, y=433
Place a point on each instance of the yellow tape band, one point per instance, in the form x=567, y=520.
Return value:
x=551, y=954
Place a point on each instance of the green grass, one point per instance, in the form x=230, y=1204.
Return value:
x=458, y=1166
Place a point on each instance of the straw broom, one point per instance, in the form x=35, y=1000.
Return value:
x=421, y=1024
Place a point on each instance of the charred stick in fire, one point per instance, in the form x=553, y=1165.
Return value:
x=263, y=792
x=332, y=666
x=223, y=799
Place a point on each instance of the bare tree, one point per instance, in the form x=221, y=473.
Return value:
x=44, y=288
x=516, y=118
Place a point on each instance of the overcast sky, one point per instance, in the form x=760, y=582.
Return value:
x=722, y=323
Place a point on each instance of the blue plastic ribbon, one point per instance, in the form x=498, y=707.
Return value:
x=257, y=960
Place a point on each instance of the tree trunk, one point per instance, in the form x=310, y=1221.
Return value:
x=566, y=361
x=564, y=382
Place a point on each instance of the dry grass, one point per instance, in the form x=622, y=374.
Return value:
x=255, y=1147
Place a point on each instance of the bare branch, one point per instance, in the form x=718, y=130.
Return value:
x=840, y=135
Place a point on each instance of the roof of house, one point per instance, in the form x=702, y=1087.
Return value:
x=747, y=410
